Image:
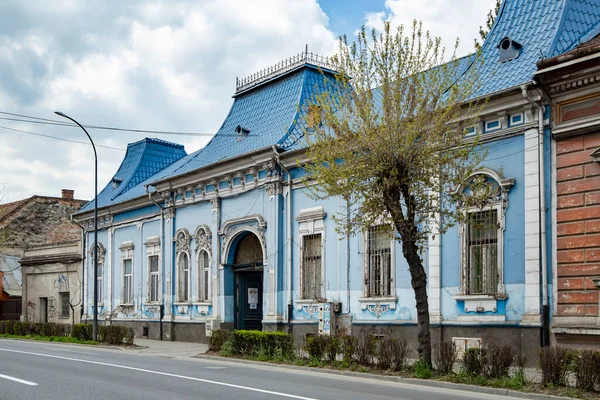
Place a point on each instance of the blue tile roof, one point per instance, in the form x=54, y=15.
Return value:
x=544, y=28
x=143, y=159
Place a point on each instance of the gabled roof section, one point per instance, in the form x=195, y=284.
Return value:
x=142, y=160
x=580, y=22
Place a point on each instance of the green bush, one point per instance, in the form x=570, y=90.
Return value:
x=347, y=346
x=316, y=347
x=82, y=331
x=421, y=370
x=364, y=348
x=227, y=349
x=267, y=344
x=218, y=338
x=116, y=335
x=49, y=329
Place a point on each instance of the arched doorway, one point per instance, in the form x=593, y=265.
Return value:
x=246, y=260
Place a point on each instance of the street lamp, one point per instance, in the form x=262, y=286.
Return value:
x=95, y=324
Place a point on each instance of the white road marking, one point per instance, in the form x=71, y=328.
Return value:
x=71, y=351
x=24, y=382
x=291, y=396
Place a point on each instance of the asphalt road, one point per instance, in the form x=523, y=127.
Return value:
x=40, y=370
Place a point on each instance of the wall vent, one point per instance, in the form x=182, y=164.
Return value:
x=509, y=49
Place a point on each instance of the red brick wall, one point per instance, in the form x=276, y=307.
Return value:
x=578, y=225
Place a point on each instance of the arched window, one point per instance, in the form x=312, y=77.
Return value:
x=204, y=276
x=184, y=277
x=99, y=279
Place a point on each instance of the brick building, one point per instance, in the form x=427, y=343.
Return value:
x=572, y=81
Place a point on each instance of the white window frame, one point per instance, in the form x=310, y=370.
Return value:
x=203, y=239
x=127, y=255
x=311, y=223
x=182, y=241
x=97, y=280
x=366, y=260
x=499, y=202
x=153, y=250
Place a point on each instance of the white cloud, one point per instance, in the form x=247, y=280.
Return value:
x=447, y=19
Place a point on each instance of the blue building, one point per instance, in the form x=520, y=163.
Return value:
x=228, y=236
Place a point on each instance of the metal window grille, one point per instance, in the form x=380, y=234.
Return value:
x=127, y=282
x=64, y=305
x=204, y=275
x=378, y=279
x=153, y=261
x=482, y=253
x=99, y=285
x=311, y=266
x=184, y=279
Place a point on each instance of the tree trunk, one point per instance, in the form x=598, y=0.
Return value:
x=419, y=284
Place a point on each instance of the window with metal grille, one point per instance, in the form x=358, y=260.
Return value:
x=378, y=279
x=65, y=308
x=312, y=250
x=99, y=284
x=184, y=277
x=482, y=253
x=153, y=263
x=204, y=269
x=127, y=281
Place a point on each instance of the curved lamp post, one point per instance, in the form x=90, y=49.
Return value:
x=95, y=324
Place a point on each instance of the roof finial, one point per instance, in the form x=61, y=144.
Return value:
x=306, y=49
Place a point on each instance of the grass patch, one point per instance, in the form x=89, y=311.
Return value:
x=59, y=339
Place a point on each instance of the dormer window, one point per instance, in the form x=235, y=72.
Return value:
x=116, y=182
x=509, y=49
x=241, y=132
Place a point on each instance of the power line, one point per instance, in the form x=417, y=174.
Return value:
x=58, y=138
x=46, y=121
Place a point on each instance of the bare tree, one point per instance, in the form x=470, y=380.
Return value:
x=388, y=135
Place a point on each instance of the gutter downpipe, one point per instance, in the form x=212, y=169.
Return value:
x=289, y=237
x=542, y=219
x=162, y=249
x=83, y=240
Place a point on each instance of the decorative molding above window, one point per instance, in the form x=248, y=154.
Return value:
x=152, y=241
x=128, y=245
x=311, y=214
x=101, y=253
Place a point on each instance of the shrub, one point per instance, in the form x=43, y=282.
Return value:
x=364, y=348
x=384, y=353
x=473, y=361
x=49, y=329
x=251, y=343
x=444, y=355
x=421, y=370
x=82, y=332
x=316, y=347
x=116, y=334
x=347, y=347
x=498, y=360
x=332, y=346
x=554, y=364
x=400, y=352
x=217, y=339
x=587, y=370
x=227, y=349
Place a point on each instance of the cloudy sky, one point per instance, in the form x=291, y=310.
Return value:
x=160, y=65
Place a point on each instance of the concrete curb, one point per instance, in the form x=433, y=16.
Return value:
x=393, y=378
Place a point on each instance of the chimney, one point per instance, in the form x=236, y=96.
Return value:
x=68, y=194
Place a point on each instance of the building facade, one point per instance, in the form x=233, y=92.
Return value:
x=52, y=283
x=229, y=237
x=572, y=82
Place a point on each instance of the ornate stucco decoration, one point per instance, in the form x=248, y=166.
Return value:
x=269, y=167
x=242, y=177
x=488, y=187
x=252, y=223
x=377, y=309
x=154, y=309
x=182, y=309
x=310, y=309
x=203, y=239
x=126, y=309
x=182, y=241
x=101, y=253
x=274, y=188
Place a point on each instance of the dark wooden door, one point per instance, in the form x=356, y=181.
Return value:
x=43, y=310
x=249, y=297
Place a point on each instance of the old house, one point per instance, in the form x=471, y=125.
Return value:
x=572, y=81
x=228, y=236
x=36, y=221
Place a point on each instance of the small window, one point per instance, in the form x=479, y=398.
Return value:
x=482, y=252
x=204, y=275
x=516, y=119
x=65, y=307
x=378, y=275
x=127, y=281
x=509, y=49
x=312, y=249
x=184, y=277
x=99, y=284
x=579, y=109
x=154, y=289
x=492, y=125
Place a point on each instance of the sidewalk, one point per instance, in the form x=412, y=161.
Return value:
x=167, y=349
